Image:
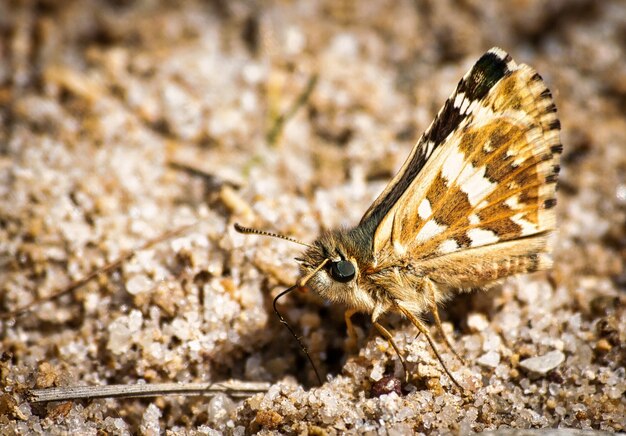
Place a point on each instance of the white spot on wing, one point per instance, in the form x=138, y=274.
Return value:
x=448, y=246
x=528, y=228
x=518, y=161
x=474, y=184
x=473, y=219
x=513, y=202
x=472, y=107
x=430, y=229
x=458, y=100
x=498, y=52
x=424, y=210
x=453, y=165
x=482, y=237
x=399, y=249
x=464, y=107
x=429, y=148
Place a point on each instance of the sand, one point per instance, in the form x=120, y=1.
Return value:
x=122, y=121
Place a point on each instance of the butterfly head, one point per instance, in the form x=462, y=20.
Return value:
x=332, y=267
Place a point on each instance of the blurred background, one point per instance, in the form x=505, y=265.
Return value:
x=122, y=120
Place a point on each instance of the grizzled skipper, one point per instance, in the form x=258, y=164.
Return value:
x=473, y=203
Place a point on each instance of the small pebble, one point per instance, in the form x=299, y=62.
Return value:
x=138, y=283
x=477, y=322
x=603, y=346
x=543, y=364
x=377, y=372
x=386, y=385
x=490, y=359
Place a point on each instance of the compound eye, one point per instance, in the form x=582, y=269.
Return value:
x=343, y=271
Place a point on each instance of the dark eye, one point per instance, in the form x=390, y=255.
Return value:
x=342, y=271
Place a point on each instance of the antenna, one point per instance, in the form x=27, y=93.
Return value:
x=299, y=284
x=251, y=231
x=293, y=333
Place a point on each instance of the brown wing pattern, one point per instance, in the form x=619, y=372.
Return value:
x=474, y=86
x=492, y=180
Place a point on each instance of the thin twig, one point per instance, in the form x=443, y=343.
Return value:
x=92, y=275
x=233, y=388
x=281, y=120
x=211, y=180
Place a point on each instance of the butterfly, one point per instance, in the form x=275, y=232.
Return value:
x=473, y=203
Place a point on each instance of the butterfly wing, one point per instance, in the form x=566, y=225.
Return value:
x=479, y=187
x=474, y=86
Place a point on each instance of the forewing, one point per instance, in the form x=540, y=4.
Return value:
x=474, y=86
x=492, y=179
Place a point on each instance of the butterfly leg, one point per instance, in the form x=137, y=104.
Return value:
x=352, y=336
x=385, y=334
x=435, y=311
x=422, y=328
